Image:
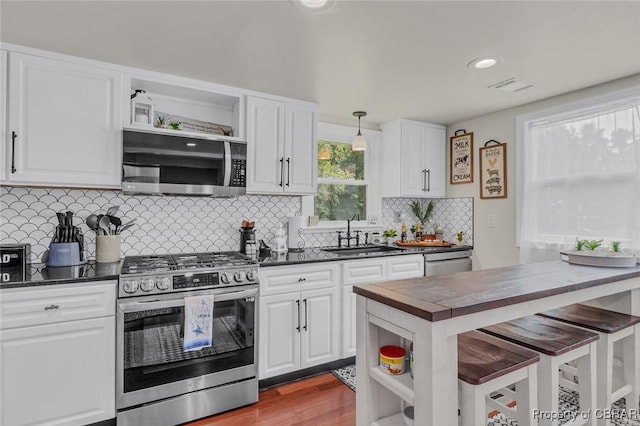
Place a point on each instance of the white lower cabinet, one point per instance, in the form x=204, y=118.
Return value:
x=348, y=321
x=308, y=311
x=299, y=317
x=366, y=272
x=57, y=371
x=298, y=330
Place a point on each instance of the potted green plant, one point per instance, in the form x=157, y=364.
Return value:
x=422, y=214
x=161, y=121
x=390, y=234
x=175, y=124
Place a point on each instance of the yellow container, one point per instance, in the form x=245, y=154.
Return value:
x=392, y=359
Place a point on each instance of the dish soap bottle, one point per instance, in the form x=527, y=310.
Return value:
x=418, y=231
x=403, y=232
x=280, y=241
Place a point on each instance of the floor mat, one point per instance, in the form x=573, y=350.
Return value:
x=347, y=375
x=568, y=403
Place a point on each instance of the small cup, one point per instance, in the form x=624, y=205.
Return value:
x=108, y=248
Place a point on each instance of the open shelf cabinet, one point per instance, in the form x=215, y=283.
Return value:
x=393, y=392
x=204, y=110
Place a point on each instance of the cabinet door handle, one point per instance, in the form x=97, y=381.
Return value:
x=281, y=171
x=424, y=179
x=288, y=171
x=298, y=305
x=14, y=135
x=50, y=307
x=428, y=180
x=305, y=314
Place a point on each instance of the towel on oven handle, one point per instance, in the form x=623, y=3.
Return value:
x=198, y=322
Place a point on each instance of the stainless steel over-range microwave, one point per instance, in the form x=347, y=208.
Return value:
x=154, y=163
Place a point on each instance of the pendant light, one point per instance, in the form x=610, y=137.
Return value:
x=359, y=143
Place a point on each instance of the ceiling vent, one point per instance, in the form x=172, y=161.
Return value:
x=510, y=85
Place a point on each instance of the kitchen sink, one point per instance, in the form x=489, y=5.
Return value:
x=361, y=250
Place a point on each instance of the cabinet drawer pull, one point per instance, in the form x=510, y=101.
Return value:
x=14, y=135
x=301, y=279
x=50, y=307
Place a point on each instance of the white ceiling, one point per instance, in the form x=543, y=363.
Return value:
x=393, y=59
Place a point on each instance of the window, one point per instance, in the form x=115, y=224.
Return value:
x=580, y=175
x=342, y=189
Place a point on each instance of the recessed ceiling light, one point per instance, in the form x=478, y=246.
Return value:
x=484, y=63
x=314, y=6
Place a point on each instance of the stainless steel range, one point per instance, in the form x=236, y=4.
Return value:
x=160, y=383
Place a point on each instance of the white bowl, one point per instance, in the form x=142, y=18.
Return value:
x=600, y=258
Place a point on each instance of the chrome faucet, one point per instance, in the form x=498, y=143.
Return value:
x=348, y=236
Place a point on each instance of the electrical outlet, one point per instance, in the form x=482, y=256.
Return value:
x=373, y=220
x=491, y=220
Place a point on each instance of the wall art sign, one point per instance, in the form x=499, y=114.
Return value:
x=493, y=170
x=461, y=157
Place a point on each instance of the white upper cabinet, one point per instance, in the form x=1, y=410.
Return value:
x=64, y=124
x=414, y=157
x=282, y=154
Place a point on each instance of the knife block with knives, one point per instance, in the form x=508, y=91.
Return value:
x=67, y=245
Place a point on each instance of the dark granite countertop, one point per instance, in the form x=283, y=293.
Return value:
x=39, y=274
x=317, y=254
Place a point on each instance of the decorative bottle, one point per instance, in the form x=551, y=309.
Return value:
x=403, y=232
x=418, y=231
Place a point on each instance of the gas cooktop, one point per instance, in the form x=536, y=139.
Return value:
x=181, y=262
x=151, y=275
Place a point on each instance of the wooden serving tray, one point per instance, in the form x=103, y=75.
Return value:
x=424, y=243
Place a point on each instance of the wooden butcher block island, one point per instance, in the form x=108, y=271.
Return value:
x=431, y=311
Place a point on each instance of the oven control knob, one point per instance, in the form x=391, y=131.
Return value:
x=225, y=278
x=251, y=275
x=130, y=286
x=238, y=276
x=147, y=284
x=163, y=284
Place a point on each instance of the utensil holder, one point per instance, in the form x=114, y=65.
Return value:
x=108, y=248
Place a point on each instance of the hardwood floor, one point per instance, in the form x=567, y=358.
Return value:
x=322, y=400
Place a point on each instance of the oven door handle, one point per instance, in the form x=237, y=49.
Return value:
x=173, y=303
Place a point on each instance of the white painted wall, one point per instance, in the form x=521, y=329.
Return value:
x=495, y=247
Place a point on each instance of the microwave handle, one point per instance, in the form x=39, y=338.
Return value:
x=174, y=303
x=227, y=163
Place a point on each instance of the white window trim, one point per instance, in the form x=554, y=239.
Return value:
x=344, y=134
x=524, y=120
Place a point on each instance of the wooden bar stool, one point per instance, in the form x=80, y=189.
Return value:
x=557, y=344
x=614, y=382
x=486, y=365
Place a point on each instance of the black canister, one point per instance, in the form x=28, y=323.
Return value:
x=246, y=234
